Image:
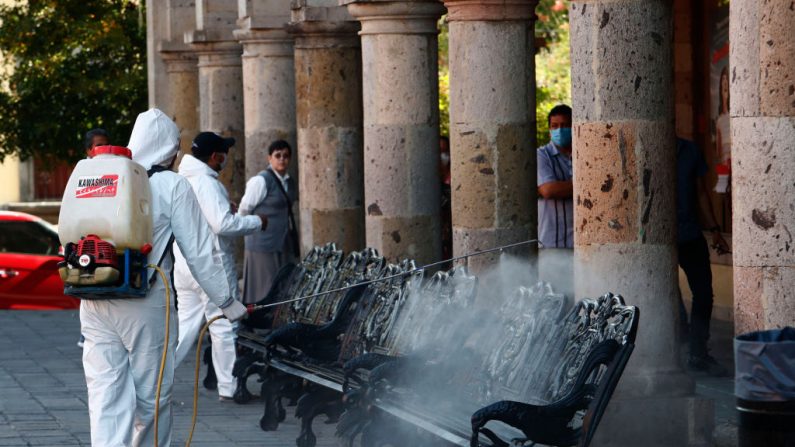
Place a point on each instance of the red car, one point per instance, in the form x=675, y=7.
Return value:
x=29, y=264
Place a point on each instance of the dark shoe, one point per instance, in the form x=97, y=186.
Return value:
x=706, y=363
x=210, y=380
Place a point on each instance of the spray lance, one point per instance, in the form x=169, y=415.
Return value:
x=251, y=308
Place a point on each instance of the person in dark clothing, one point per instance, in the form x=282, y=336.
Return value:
x=692, y=206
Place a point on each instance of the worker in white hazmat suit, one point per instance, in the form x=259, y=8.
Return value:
x=125, y=337
x=209, y=156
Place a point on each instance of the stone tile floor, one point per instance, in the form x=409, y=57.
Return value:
x=43, y=392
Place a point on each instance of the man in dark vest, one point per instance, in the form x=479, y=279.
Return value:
x=271, y=192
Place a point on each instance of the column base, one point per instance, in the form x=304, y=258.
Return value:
x=657, y=421
x=470, y=240
x=343, y=226
x=398, y=238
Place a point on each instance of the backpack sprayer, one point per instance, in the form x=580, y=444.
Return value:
x=105, y=227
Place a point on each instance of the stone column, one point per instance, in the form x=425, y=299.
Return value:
x=328, y=76
x=268, y=94
x=157, y=28
x=492, y=131
x=625, y=215
x=182, y=105
x=221, y=83
x=179, y=98
x=221, y=106
x=401, y=126
x=762, y=111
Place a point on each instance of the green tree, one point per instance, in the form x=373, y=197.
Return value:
x=444, y=78
x=73, y=65
x=553, y=63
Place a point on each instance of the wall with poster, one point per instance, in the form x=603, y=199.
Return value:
x=718, y=155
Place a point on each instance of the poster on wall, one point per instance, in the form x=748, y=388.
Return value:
x=719, y=112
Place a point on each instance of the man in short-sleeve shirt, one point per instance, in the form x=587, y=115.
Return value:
x=555, y=204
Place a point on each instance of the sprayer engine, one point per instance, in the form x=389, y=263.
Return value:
x=92, y=252
x=92, y=261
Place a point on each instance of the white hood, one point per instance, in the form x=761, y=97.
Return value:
x=191, y=166
x=154, y=139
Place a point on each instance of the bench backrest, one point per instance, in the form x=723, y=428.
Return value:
x=589, y=323
x=431, y=314
x=304, y=281
x=323, y=270
x=358, y=266
x=382, y=300
x=524, y=331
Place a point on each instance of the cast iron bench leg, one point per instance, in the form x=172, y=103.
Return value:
x=274, y=412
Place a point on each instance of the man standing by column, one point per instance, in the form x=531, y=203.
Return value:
x=555, y=202
x=210, y=153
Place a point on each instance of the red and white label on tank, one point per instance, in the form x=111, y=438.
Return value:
x=97, y=186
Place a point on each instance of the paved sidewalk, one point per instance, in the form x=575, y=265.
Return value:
x=43, y=393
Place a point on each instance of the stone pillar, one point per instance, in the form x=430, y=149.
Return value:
x=221, y=84
x=268, y=95
x=401, y=126
x=492, y=131
x=625, y=215
x=762, y=111
x=157, y=27
x=328, y=76
x=179, y=98
x=182, y=74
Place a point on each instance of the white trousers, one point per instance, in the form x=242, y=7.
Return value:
x=194, y=308
x=121, y=361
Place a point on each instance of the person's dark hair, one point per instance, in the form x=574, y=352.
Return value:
x=445, y=138
x=279, y=144
x=559, y=110
x=204, y=158
x=89, y=138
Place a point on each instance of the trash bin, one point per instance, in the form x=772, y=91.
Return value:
x=765, y=387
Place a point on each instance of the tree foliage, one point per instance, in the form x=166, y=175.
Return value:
x=444, y=79
x=553, y=63
x=73, y=65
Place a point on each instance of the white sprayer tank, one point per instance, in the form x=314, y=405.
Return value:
x=108, y=196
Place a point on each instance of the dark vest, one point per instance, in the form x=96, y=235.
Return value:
x=274, y=206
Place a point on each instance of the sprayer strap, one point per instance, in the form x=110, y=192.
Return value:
x=169, y=249
x=155, y=169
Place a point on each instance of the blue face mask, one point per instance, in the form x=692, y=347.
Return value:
x=561, y=136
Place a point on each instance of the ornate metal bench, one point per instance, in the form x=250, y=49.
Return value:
x=410, y=361
x=321, y=270
x=566, y=368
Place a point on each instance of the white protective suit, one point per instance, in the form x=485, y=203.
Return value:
x=193, y=302
x=125, y=337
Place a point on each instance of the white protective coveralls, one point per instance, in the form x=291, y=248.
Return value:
x=125, y=337
x=193, y=302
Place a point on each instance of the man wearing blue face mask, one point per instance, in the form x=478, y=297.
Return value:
x=555, y=204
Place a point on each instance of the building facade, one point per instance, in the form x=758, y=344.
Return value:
x=353, y=84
